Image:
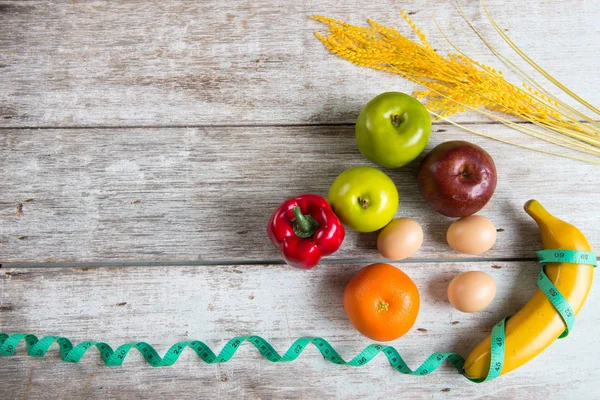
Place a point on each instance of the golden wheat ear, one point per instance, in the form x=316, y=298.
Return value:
x=456, y=83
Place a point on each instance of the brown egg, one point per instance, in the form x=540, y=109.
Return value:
x=471, y=235
x=471, y=291
x=400, y=239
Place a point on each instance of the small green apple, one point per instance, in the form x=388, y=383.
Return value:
x=364, y=198
x=392, y=129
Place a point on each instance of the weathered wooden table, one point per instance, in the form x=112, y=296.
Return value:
x=145, y=144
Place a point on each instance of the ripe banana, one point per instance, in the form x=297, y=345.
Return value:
x=538, y=324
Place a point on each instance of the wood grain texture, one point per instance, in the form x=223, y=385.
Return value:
x=163, y=63
x=213, y=304
x=238, y=107
x=206, y=194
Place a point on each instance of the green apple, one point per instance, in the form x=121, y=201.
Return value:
x=392, y=129
x=364, y=198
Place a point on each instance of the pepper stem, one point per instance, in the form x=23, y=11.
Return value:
x=304, y=225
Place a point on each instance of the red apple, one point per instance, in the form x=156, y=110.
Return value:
x=457, y=178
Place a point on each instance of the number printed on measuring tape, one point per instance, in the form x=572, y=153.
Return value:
x=567, y=256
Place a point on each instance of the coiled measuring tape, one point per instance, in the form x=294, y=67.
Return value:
x=112, y=358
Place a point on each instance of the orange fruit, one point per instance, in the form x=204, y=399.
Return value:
x=382, y=302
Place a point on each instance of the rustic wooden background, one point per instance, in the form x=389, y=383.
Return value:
x=145, y=144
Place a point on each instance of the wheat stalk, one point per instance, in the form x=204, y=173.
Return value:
x=456, y=83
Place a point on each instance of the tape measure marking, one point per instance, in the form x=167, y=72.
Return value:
x=554, y=295
x=567, y=256
x=69, y=353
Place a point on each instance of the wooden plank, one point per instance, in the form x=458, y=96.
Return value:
x=165, y=305
x=198, y=194
x=178, y=63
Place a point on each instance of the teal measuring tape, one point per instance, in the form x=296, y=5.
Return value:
x=70, y=353
x=555, y=297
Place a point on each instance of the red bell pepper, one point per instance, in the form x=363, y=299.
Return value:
x=304, y=229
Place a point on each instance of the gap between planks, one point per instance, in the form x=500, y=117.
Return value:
x=261, y=125
x=110, y=264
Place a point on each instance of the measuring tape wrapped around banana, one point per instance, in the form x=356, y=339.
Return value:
x=564, y=284
x=539, y=323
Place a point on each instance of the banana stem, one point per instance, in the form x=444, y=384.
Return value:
x=537, y=211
